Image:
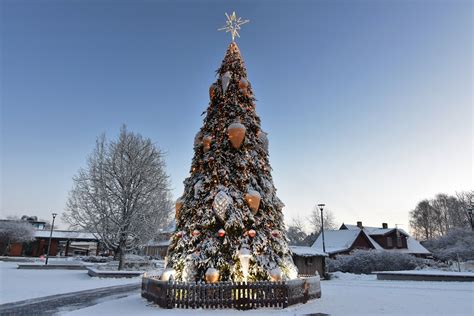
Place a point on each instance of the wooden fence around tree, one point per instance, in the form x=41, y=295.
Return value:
x=238, y=295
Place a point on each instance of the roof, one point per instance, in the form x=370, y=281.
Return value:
x=340, y=240
x=65, y=234
x=307, y=251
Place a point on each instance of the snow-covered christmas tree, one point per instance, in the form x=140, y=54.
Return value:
x=229, y=221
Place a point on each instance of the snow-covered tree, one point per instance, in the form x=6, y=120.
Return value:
x=229, y=205
x=123, y=193
x=296, y=233
x=14, y=232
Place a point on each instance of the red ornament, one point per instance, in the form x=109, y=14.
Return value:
x=252, y=233
x=221, y=233
x=179, y=234
x=196, y=233
x=275, y=233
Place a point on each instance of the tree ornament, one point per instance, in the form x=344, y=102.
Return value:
x=236, y=134
x=263, y=137
x=178, y=206
x=212, y=275
x=225, y=80
x=220, y=204
x=197, y=189
x=221, y=233
x=198, y=139
x=252, y=233
x=196, y=233
x=212, y=91
x=243, y=86
x=179, y=234
x=253, y=198
x=275, y=274
x=206, y=142
x=275, y=233
x=168, y=274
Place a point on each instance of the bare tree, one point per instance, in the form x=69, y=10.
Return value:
x=123, y=193
x=12, y=231
x=436, y=217
x=315, y=220
x=296, y=233
x=423, y=221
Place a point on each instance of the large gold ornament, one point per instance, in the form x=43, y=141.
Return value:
x=178, y=206
x=236, y=134
x=253, y=198
x=206, y=142
x=244, y=86
x=212, y=91
x=212, y=275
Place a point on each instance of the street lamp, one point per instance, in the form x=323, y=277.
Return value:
x=321, y=207
x=50, y=236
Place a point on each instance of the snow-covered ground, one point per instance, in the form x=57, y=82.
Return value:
x=346, y=294
x=17, y=285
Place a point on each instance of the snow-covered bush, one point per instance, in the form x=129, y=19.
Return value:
x=97, y=259
x=456, y=244
x=367, y=261
x=14, y=232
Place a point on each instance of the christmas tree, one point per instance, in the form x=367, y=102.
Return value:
x=229, y=221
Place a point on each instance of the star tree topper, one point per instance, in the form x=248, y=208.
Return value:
x=232, y=25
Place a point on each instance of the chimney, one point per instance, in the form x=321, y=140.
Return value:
x=359, y=224
x=384, y=225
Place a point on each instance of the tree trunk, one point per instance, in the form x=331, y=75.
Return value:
x=121, y=254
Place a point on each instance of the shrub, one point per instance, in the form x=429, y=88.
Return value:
x=367, y=261
x=456, y=243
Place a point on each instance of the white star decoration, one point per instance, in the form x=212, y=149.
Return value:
x=232, y=25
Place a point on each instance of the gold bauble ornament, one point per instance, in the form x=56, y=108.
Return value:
x=253, y=198
x=178, y=206
x=212, y=91
x=206, y=142
x=212, y=275
x=236, y=134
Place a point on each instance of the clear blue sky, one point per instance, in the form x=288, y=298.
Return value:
x=368, y=104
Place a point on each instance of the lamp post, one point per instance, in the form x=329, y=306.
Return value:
x=50, y=237
x=321, y=207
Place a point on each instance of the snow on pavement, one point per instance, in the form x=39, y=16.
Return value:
x=19, y=284
x=346, y=294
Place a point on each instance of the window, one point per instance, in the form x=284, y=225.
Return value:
x=389, y=242
x=399, y=241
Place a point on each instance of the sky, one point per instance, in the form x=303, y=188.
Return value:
x=368, y=104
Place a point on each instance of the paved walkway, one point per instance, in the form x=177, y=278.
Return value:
x=52, y=304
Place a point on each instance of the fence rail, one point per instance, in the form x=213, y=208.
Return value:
x=238, y=295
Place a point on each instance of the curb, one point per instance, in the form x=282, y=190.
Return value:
x=49, y=305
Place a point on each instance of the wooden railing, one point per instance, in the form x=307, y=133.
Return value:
x=238, y=295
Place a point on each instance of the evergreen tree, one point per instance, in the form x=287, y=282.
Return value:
x=229, y=206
